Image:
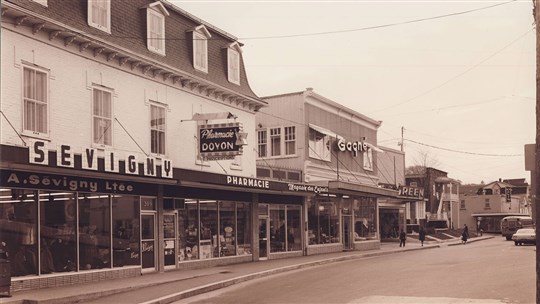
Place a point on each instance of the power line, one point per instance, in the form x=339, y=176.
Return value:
x=463, y=152
x=378, y=26
x=456, y=76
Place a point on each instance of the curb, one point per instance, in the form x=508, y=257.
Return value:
x=471, y=240
x=226, y=283
x=229, y=282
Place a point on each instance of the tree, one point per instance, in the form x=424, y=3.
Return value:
x=422, y=161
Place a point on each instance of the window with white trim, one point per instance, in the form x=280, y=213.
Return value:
x=290, y=140
x=319, y=145
x=35, y=101
x=99, y=14
x=155, y=31
x=233, y=66
x=262, y=143
x=157, y=129
x=102, y=116
x=368, y=159
x=275, y=141
x=200, y=52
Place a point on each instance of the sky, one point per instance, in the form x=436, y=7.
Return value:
x=458, y=77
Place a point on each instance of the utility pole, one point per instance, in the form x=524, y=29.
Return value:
x=402, y=143
x=536, y=191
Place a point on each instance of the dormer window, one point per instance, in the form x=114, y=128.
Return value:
x=99, y=14
x=233, y=63
x=200, y=48
x=155, y=27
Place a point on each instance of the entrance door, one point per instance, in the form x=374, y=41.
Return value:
x=347, y=232
x=170, y=236
x=148, y=241
x=263, y=238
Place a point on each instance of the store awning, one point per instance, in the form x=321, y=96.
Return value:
x=358, y=189
x=325, y=131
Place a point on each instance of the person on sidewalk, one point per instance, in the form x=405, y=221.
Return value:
x=465, y=235
x=422, y=235
x=402, y=238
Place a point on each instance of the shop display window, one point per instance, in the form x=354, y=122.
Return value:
x=227, y=229
x=243, y=227
x=211, y=229
x=208, y=245
x=365, y=227
x=188, y=231
x=58, y=226
x=18, y=222
x=285, y=229
x=126, y=230
x=278, y=230
x=94, y=232
x=323, y=221
x=294, y=232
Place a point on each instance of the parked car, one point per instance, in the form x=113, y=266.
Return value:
x=524, y=235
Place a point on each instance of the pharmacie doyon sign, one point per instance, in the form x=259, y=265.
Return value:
x=220, y=141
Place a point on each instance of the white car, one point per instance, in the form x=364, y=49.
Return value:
x=524, y=235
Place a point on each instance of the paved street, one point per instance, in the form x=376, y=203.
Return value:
x=491, y=271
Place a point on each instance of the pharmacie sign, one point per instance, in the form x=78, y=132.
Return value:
x=221, y=141
x=352, y=146
x=99, y=160
x=249, y=182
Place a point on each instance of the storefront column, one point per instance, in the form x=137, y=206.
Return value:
x=255, y=226
x=160, y=237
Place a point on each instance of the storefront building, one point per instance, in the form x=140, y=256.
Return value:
x=135, y=157
x=307, y=138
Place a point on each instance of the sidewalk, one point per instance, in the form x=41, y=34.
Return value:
x=172, y=286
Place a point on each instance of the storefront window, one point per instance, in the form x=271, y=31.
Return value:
x=278, y=230
x=126, y=229
x=18, y=222
x=323, y=221
x=188, y=231
x=58, y=231
x=365, y=219
x=227, y=229
x=208, y=246
x=294, y=233
x=223, y=232
x=94, y=232
x=243, y=228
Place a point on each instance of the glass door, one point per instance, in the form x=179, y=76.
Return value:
x=169, y=237
x=263, y=238
x=148, y=241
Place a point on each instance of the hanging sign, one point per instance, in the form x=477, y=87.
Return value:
x=221, y=141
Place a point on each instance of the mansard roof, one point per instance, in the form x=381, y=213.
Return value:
x=126, y=45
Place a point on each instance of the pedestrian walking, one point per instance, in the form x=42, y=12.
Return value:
x=465, y=235
x=402, y=238
x=422, y=235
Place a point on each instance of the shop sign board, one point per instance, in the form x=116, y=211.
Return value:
x=273, y=185
x=352, y=146
x=56, y=182
x=414, y=192
x=220, y=141
x=107, y=161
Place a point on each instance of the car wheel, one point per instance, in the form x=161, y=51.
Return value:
x=515, y=243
